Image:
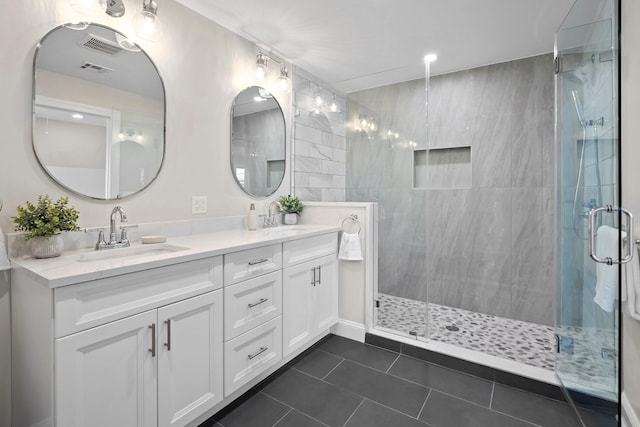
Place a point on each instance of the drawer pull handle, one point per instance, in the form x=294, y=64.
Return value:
x=258, y=261
x=262, y=300
x=258, y=353
x=168, y=343
x=153, y=340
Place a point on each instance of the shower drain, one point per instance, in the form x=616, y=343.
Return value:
x=453, y=328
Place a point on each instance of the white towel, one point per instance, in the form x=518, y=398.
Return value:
x=4, y=260
x=607, y=275
x=350, y=249
x=631, y=290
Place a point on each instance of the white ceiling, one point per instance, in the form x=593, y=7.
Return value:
x=357, y=44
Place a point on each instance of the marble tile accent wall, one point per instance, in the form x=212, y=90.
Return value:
x=319, y=154
x=488, y=245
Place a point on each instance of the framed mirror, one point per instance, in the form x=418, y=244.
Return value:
x=98, y=112
x=258, y=142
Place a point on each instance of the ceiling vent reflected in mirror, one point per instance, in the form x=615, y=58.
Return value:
x=102, y=45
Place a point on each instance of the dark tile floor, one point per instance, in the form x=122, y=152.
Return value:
x=345, y=383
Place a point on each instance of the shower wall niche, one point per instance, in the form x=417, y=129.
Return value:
x=476, y=232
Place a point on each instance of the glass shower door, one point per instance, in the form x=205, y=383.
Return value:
x=590, y=222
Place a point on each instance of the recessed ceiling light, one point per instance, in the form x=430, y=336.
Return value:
x=77, y=116
x=430, y=58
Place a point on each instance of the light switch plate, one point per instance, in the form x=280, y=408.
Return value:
x=198, y=205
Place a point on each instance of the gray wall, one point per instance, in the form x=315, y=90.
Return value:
x=487, y=239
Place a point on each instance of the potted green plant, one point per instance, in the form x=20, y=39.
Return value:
x=292, y=207
x=44, y=222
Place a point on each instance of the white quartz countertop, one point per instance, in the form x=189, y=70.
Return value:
x=87, y=264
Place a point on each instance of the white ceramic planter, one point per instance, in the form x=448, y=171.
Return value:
x=290, y=218
x=41, y=247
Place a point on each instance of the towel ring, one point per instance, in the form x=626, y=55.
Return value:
x=354, y=220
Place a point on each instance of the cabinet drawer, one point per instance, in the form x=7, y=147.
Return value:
x=85, y=305
x=252, y=353
x=302, y=250
x=251, y=303
x=244, y=265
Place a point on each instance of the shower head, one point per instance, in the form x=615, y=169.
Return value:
x=576, y=103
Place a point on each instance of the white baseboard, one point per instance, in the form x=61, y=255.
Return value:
x=349, y=329
x=629, y=416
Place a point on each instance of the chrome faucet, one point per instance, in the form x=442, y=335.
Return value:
x=272, y=220
x=114, y=242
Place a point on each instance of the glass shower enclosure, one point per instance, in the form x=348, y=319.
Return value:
x=590, y=223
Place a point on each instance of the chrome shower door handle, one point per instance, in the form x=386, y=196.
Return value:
x=592, y=235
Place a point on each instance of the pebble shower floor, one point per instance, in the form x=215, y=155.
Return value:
x=523, y=342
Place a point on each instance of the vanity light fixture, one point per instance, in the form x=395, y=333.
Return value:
x=262, y=63
x=318, y=100
x=284, y=79
x=261, y=66
x=363, y=121
x=95, y=8
x=334, y=107
x=146, y=22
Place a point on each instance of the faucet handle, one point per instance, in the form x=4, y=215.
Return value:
x=101, y=242
x=123, y=234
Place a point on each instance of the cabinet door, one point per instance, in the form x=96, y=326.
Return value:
x=190, y=349
x=326, y=293
x=106, y=376
x=297, y=305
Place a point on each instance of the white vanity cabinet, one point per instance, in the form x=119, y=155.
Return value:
x=310, y=289
x=168, y=345
x=142, y=349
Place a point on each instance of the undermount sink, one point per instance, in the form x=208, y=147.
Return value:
x=131, y=252
x=286, y=230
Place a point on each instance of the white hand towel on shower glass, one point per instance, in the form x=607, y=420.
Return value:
x=350, y=249
x=607, y=246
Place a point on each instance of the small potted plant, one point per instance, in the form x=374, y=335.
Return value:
x=292, y=207
x=44, y=222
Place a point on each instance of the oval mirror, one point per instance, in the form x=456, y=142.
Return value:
x=257, y=142
x=98, y=112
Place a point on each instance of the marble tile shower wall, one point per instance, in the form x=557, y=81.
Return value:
x=488, y=248
x=318, y=141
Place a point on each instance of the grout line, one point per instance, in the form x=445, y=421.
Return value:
x=393, y=409
x=282, y=417
x=391, y=366
x=354, y=412
x=424, y=404
x=289, y=406
x=334, y=368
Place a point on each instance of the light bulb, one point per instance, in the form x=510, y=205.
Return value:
x=363, y=121
x=261, y=73
x=146, y=22
x=94, y=8
x=319, y=101
x=372, y=124
x=284, y=79
x=334, y=104
x=261, y=66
